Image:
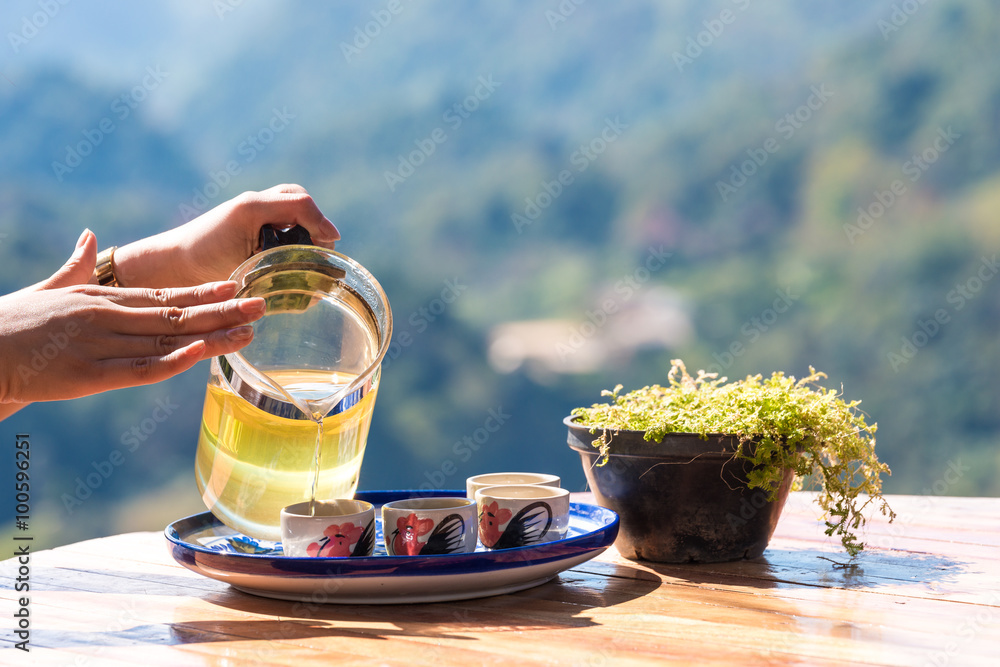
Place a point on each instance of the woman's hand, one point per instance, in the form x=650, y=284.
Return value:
x=64, y=339
x=210, y=247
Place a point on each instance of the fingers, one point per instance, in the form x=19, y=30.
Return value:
x=288, y=188
x=130, y=372
x=175, y=312
x=79, y=268
x=218, y=342
x=119, y=345
x=181, y=297
x=291, y=204
x=159, y=363
x=177, y=321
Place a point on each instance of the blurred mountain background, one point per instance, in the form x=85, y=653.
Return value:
x=750, y=187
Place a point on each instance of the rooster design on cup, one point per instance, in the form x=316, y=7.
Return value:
x=446, y=538
x=522, y=528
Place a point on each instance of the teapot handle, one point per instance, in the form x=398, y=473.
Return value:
x=272, y=237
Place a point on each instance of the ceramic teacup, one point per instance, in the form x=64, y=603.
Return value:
x=427, y=526
x=477, y=482
x=328, y=528
x=521, y=515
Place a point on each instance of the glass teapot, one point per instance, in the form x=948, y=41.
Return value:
x=286, y=418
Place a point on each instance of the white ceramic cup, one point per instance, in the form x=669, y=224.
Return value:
x=477, y=482
x=521, y=515
x=331, y=528
x=426, y=526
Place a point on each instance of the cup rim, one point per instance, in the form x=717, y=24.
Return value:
x=301, y=510
x=544, y=478
x=541, y=492
x=437, y=503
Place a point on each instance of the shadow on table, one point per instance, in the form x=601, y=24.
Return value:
x=810, y=567
x=560, y=603
x=557, y=604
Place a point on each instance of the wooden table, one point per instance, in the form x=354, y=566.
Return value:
x=927, y=592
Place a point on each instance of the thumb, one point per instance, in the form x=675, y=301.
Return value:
x=79, y=268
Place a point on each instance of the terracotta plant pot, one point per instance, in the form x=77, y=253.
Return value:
x=682, y=500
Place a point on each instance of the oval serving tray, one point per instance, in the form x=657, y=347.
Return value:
x=205, y=545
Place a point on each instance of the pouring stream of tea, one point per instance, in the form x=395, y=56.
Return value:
x=314, y=410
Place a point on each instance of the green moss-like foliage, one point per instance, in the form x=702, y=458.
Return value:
x=780, y=422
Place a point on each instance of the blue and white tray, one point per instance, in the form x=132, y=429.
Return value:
x=205, y=545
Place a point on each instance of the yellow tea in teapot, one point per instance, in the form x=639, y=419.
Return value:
x=251, y=463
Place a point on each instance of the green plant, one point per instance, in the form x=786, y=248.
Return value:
x=780, y=423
